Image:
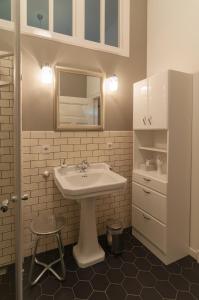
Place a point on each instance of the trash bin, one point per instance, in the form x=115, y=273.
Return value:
x=115, y=236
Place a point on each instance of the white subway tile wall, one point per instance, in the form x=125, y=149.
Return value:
x=7, y=227
x=114, y=148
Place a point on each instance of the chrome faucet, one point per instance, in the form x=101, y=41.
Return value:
x=83, y=166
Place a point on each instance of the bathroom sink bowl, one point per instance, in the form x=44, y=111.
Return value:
x=84, y=187
x=97, y=180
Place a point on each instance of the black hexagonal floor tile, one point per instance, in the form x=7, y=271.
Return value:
x=99, y=282
x=114, y=261
x=116, y=292
x=179, y=282
x=98, y=296
x=136, y=274
x=184, y=296
x=153, y=260
x=70, y=280
x=85, y=274
x=165, y=289
x=136, y=242
x=131, y=297
x=191, y=275
x=132, y=286
x=160, y=273
x=128, y=245
x=71, y=264
x=128, y=256
x=82, y=290
x=45, y=297
x=146, y=279
x=32, y=293
x=115, y=276
x=186, y=262
x=127, y=236
x=142, y=264
x=195, y=290
x=101, y=268
x=129, y=270
x=50, y=286
x=64, y=293
x=174, y=268
x=139, y=251
x=150, y=294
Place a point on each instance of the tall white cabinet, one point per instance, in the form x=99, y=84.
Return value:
x=162, y=121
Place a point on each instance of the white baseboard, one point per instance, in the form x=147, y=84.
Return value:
x=194, y=253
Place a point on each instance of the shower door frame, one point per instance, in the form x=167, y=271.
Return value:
x=18, y=152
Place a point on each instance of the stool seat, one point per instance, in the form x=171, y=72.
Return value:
x=47, y=225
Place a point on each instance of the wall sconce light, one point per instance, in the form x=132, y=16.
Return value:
x=111, y=84
x=46, y=74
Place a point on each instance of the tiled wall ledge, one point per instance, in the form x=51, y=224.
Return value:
x=44, y=197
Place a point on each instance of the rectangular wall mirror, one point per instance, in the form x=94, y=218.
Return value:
x=78, y=99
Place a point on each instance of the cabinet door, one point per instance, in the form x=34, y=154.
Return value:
x=140, y=103
x=158, y=101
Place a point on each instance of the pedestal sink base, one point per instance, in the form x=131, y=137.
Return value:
x=88, y=251
x=83, y=261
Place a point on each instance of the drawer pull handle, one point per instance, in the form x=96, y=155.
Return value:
x=146, y=218
x=147, y=179
x=146, y=192
x=144, y=120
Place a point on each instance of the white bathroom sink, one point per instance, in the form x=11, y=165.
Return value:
x=97, y=180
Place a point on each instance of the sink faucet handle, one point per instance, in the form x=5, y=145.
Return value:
x=85, y=163
x=63, y=163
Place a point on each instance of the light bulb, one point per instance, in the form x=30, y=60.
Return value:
x=111, y=84
x=46, y=74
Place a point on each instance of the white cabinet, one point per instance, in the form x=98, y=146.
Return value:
x=151, y=102
x=161, y=197
x=158, y=101
x=140, y=104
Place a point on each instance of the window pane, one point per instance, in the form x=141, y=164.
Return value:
x=92, y=20
x=5, y=10
x=38, y=13
x=63, y=16
x=111, y=22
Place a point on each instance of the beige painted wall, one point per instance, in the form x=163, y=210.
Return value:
x=38, y=99
x=173, y=35
x=173, y=43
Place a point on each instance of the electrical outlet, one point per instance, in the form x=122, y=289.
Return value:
x=46, y=149
x=109, y=146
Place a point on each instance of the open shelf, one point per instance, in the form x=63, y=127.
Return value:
x=5, y=54
x=3, y=83
x=153, y=149
x=151, y=174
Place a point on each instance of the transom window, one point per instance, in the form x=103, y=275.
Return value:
x=96, y=24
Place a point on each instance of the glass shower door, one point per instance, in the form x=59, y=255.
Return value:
x=10, y=156
x=7, y=175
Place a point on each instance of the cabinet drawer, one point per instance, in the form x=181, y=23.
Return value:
x=152, y=229
x=151, y=183
x=150, y=201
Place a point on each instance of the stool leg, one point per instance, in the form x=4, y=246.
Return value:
x=60, y=247
x=33, y=261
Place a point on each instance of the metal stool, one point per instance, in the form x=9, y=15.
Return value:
x=45, y=226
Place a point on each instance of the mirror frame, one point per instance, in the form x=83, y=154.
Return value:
x=58, y=126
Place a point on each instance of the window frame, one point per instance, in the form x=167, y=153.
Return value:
x=78, y=21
